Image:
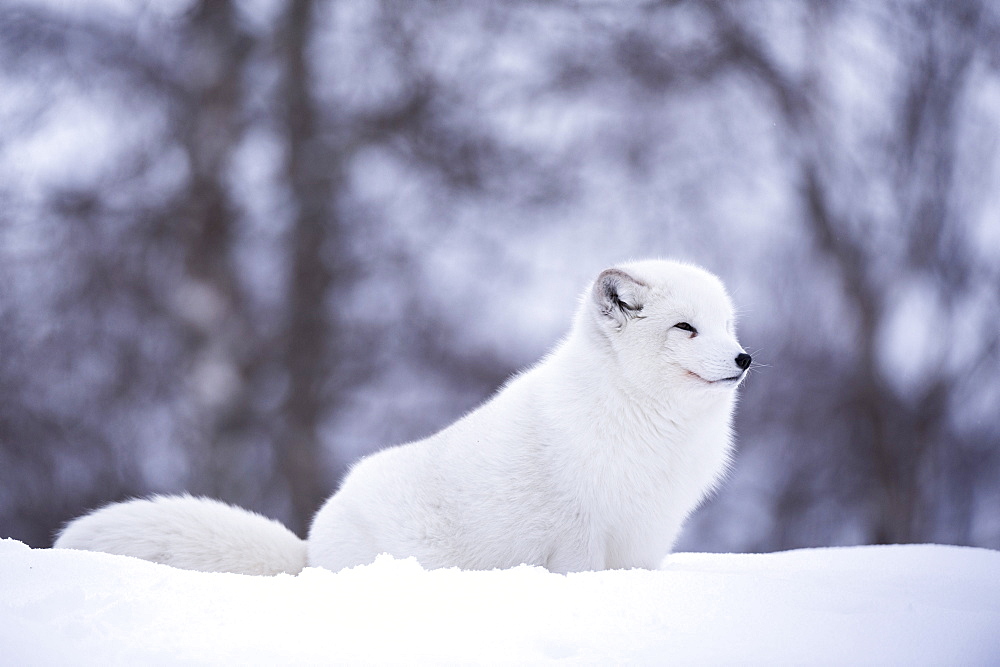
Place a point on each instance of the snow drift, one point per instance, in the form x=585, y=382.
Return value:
x=871, y=605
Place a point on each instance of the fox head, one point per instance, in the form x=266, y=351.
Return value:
x=668, y=325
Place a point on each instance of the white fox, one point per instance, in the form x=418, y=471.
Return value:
x=592, y=459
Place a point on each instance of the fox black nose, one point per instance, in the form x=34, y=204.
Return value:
x=743, y=360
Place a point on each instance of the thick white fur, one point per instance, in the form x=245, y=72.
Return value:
x=592, y=459
x=189, y=533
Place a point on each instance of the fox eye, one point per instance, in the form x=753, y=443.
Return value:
x=684, y=326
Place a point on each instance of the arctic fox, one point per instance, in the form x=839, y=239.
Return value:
x=590, y=460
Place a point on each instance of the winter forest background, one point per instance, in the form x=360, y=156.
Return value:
x=244, y=243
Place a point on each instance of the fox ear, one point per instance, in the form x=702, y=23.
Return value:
x=619, y=297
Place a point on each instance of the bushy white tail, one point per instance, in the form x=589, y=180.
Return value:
x=189, y=533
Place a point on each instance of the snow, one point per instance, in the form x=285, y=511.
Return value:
x=909, y=605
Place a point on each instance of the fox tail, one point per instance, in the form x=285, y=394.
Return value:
x=189, y=533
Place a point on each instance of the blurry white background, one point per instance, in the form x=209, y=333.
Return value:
x=244, y=243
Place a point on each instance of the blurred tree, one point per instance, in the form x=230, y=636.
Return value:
x=882, y=201
x=223, y=350
x=315, y=176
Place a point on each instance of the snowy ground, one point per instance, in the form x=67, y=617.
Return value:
x=907, y=605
